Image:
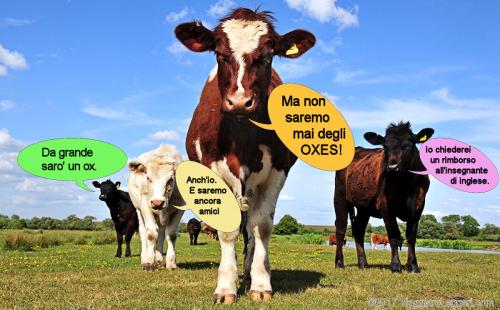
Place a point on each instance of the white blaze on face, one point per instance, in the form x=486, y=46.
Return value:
x=244, y=37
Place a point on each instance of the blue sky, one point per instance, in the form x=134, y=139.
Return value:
x=113, y=71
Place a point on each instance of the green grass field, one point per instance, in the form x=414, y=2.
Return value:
x=88, y=276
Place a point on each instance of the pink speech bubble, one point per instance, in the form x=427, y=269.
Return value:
x=458, y=165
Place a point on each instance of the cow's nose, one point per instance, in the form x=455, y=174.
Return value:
x=156, y=204
x=240, y=103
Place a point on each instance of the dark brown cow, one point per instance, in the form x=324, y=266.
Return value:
x=122, y=213
x=332, y=240
x=194, y=228
x=376, y=239
x=252, y=161
x=379, y=183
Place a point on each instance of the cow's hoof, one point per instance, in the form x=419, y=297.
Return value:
x=171, y=267
x=148, y=267
x=118, y=255
x=128, y=255
x=413, y=269
x=259, y=296
x=362, y=265
x=396, y=268
x=227, y=299
x=339, y=265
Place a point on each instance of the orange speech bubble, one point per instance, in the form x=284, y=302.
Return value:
x=310, y=126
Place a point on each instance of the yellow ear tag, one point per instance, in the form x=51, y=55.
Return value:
x=118, y=186
x=423, y=139
x=292, y=50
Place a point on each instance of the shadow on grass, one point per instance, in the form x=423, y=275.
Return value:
x=288, y=281
x=198, y=265
x=199, y=243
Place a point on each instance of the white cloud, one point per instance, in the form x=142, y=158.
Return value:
x=362, y=77
x=14, y=22
x=159, y=137
x=128, y=115
x=12, y=60
x=333, y=99
x=3, y=70
x=419, y=111
x=6, y=105
x=164, y=135
x=285, y=197
x=174, y=17
x=444, y=95
x=329, y=47
x=7, y=142
x=177, y=48
x=326, y=11
x=220, y=8
x=297, y=68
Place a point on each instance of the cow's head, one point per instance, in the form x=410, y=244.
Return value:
x=400, y=150
x=109, y=190
x=244, y=43
x=157, y=180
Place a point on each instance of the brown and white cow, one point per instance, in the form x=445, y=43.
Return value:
x=252, y=161
x=376, y=239
x=332, y=240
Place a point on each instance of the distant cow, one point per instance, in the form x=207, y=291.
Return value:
x=154, y=193
x=378, y=239
x=252, y=161
x=211, y=232
x=122, y=213
x=379, y=183
x=194, y=228
x=332, y=240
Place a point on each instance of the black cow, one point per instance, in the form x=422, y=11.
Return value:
x=122, y=213
x=379, y=183
x=194, y=228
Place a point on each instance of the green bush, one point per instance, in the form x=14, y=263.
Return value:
x=18, y=242
x=312, y=239
x=445, y=244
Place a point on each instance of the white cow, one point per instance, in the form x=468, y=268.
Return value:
x=154, y=193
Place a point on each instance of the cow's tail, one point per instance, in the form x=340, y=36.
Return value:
x=243, y=230
x=351, y=214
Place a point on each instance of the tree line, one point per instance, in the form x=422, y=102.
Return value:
x=72, y=222
x=451, y=227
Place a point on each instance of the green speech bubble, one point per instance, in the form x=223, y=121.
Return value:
x=72, y=159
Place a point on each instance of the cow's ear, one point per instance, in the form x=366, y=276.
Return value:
x=295, y=43
x=117, y=184
x=96, y=184
x=374, y=138
x=424, y=135
x=195, y=36
x=136, y=167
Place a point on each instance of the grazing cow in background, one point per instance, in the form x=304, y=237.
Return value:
x=251, y=160
x=379, y=183
x=154, y=193
x=332, y=240
x=378, y=239
x=194, y=228
x=211, y=232
x=122, y=213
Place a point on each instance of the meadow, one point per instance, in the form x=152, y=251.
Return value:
x=80, y=271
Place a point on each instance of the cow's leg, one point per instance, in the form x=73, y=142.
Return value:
x=172, y=228
x=142, y=235
x=374, y=246
x=260, y=219
x=228, y=268
x=190, y=239
x=151, y=231
x=196, y=238
x=128, y=238
x=394, y=240
x=358, y=232
x=160, y=246
x=341, y=214
x=171, y=259
x=249, y=250
x=119, y=241
x=411, y=236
